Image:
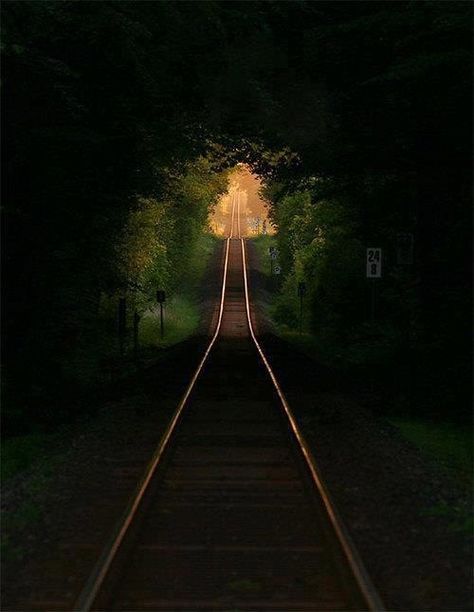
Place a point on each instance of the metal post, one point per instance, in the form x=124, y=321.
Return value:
x=122, y=323
x=136, y=321
x=301, y=313
x=162, y=327
x=160, y=298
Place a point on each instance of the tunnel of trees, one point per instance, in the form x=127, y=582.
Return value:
x=122, y=119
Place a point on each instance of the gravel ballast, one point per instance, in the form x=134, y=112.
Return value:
x=387, y=492
x=384, y=488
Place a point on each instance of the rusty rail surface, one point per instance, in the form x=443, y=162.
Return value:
x=232, y=511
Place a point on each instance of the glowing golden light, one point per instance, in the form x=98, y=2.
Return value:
x=253, y=209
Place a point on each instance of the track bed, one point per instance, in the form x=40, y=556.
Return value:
x=231, y=518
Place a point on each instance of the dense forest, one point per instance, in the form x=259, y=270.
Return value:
x=121, y=120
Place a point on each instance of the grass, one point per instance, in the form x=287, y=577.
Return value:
x=197, y=265
x=20, y=452
x=448, y=443
x=262, y=244
x=181, y=318
x=42, y=451
x=279, y=303
x=451, y=446
x=306, y=343
x=27, y=513
x=269, y=289
x=459, y=519
x=181, y=311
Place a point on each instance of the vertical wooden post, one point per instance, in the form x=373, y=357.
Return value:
x=136, y=322
x=160, y=298
x=301, y=313
x=122, y=323
x=162, y=326
x=301, y=294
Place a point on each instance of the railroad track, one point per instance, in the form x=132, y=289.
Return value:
x=232, y=513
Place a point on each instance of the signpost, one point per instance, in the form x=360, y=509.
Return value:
x=122, y=323
x=301, y=294
x=374, y=271
x=273, y=252
x=374, y=263
x=161, y=298
x=136, y=322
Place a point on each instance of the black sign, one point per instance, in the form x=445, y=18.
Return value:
x=301, y=289
x=160, y=297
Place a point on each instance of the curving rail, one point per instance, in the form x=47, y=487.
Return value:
x=90, y=598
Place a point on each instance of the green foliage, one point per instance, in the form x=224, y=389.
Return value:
x=181, y=312
x=460, y=519
x=318, y=245
x=39, y=451
x=119, y=117
x=161, y=245
x=162, y=239
x=18, y=453
x=449, y=444
x=262, y=244
x=192, y=194
x=142, y=252
x=323, y=241
x=181, y=319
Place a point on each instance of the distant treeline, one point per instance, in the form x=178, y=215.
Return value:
x=119, y=118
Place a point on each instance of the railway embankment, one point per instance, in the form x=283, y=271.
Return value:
x=397, y=503
x=409, y=511
x=54, y=499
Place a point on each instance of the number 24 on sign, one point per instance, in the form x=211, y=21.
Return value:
x=374, y=263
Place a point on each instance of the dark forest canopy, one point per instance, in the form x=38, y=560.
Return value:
x=108, y=106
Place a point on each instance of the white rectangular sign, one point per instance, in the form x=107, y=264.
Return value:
x=374, y=263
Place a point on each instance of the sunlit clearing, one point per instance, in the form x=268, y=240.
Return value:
x=253, y=209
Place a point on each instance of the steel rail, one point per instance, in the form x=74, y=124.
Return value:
x=238, y=215
x=98, y=575
x=231, y=235
x=356, y=564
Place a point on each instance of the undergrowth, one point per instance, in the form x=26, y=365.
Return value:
x=449, y=443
